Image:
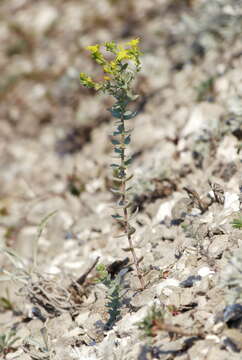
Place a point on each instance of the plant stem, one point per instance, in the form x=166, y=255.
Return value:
x=125, y=210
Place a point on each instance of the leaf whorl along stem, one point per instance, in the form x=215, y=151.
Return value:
x=121, y=138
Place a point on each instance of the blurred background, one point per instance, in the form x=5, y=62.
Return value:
x=42, y=52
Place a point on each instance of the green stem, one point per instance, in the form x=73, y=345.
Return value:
x=125, y=210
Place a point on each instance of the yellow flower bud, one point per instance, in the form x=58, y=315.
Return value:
x=122, y=55
x=87, y=81
x=133, y=42
x=93, y=48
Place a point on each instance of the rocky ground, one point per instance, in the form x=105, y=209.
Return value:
x=55, y=222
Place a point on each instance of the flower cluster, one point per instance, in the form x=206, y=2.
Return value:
x=115, y=69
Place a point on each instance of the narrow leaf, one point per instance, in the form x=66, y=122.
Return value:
x=135, y=213
x=129, y=177
x=127, y=249
x=6, y=303
x=116, y=216
x=119, y=236
x=115, y=191
x=131, y=96
x=131, y=230
x=129, y=188
x=10, y=343
x=115, y=179
x=116, y=112
x=128, y=204
x=124, y=179
x=41, y=227
x=13, y=257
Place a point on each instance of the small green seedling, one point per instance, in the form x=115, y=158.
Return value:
x=119, y=73
x=5, y=302
x=114, y=294
x=151, y=323
x=237, y=223
x=39, y=348
x=7, y=341
x=206, y=89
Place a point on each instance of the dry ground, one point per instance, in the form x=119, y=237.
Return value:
x=54, y=183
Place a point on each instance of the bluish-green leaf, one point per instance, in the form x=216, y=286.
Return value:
x=128, y=161
x=116, y=111
x=119, y=151
x=121, y=127
x=119, y=130
x=115, y=165
x=116, y=216
x=124, y=66
x=124, y=204
x=129, y=114
x=115, y=142
x=127, y=140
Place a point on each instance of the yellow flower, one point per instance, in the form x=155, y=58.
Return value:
x=96, y=54
x=97, y=86
x=111, y=68
x=111, y=46
x=122, y=55
x=133, y=42
x=93, y=48
x=116, y=68
x=87, y=81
